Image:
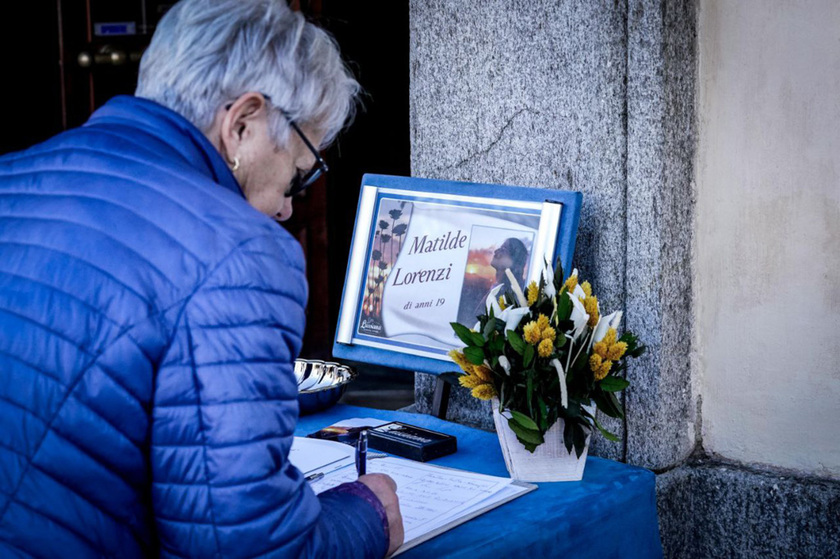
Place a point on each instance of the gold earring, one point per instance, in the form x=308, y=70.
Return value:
x=235, y=164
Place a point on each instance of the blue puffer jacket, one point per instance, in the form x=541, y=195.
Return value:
x=149, y=318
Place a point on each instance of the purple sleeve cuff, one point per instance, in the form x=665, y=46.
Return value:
x=359, y=489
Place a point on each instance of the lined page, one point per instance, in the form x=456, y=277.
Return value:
x=430, y=496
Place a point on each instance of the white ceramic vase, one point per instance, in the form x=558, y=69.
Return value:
x=549, y=462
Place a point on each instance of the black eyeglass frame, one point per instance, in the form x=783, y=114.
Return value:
x=300, y=183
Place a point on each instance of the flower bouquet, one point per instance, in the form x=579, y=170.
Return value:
x=547, y=358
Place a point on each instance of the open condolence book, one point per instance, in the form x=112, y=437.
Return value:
x=433, y=499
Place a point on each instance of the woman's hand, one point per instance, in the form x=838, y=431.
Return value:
x=385, y=490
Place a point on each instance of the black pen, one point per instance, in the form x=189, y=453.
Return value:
x=361, y=453
x=314, y=477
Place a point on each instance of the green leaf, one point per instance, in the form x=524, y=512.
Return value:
x=516, y=341
x=638, y=351
x=573, y=409
x=633, y=348
x=568, y=435
x=579, y=439
x=605, y=404
x=530, y=389
x=613, y=384
x=629, y=338
x=607, y=434
x=560, y=340
x=616, y=404
x=474, y=355
x=543, y=413
x=524, y=420
x=463, y=332
x=564, y=306
x=497, y=345
x=558, y=273
x=489, y=328
x=528, y=356
x=582, y=362
x=525, y=435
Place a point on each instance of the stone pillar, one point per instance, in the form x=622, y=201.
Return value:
x=530, y=94
x=588, y=96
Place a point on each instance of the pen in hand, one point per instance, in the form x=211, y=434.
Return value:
x=361, y=453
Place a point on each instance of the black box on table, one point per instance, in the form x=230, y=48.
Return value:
x=411, y=442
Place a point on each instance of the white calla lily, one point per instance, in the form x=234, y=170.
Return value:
x=511, y=316
x=503, y=361
x=606, y=322
x=548, y=276
x=493, y=301
x=561, y=375
x=579, y=316
x=517, y=289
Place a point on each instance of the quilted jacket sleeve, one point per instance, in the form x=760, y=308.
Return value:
x=224, y=415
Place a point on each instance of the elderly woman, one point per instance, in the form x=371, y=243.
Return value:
x=151, y=308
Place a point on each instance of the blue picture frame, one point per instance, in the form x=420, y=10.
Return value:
x=557, y=212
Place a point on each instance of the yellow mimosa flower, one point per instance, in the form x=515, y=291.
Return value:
x=546, y=347
x=548, y=334
x=601, y=349
x=617, y=351
x=600, y=367
x=533, y=293
x=603, y=371
x=502, y=303
x=542, y=322
x=587, y=288
x=591, y=306
x=532, y=333
x=460, y=359
x=571, y=283
x=470, y=381
x=483, y=372
x=609, y=339
x=484, y=392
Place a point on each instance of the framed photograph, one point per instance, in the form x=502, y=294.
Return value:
x=426, y=253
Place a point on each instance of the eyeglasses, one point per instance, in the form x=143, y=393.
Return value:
x=301, y=182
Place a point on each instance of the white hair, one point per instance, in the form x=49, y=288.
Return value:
x=206, y=53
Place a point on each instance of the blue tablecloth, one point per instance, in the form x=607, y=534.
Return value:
x=610, y=513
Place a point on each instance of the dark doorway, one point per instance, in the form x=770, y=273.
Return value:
x=374, y=39
x=71, y=56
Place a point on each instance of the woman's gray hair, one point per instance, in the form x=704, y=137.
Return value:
x=206, y=53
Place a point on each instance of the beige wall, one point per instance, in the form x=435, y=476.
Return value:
x=767, y=266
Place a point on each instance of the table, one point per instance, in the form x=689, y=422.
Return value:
x=610, y=513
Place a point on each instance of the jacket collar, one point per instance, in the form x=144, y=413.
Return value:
x=187, y=141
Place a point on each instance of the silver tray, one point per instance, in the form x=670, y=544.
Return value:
x=320, y=383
